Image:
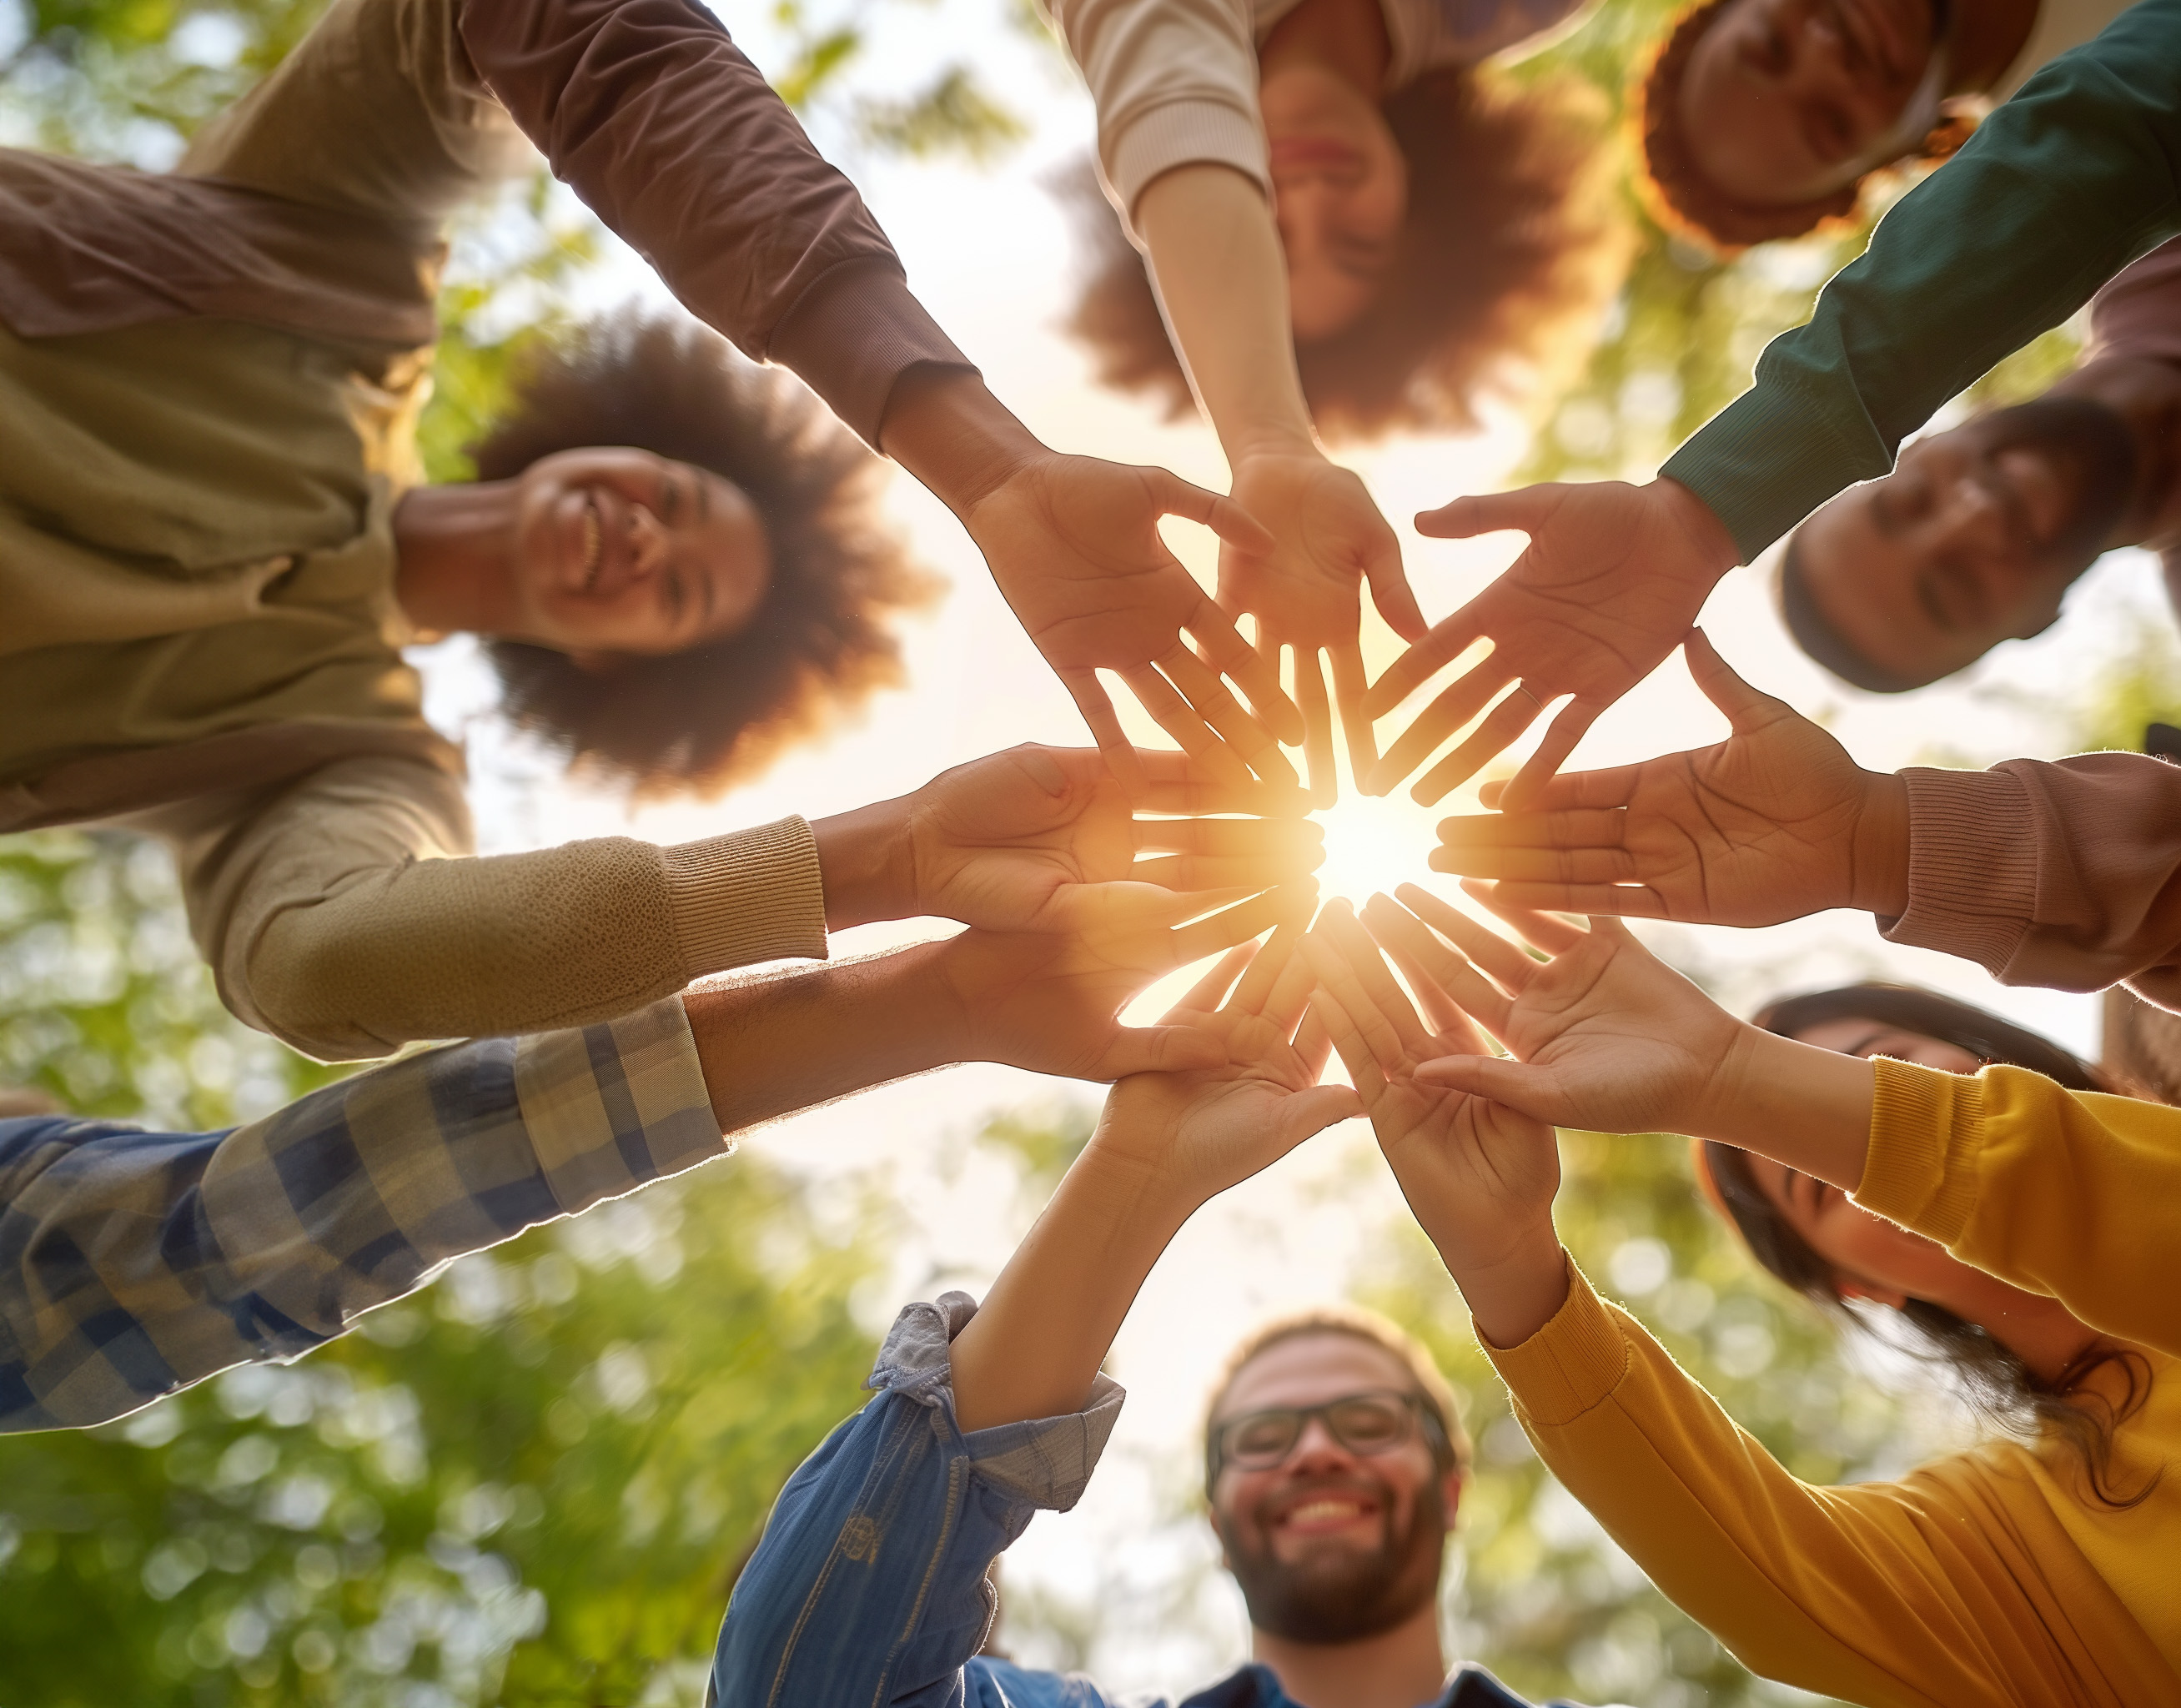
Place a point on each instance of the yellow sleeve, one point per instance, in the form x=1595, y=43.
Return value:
x=2071, y=1194
x=1878, y=1593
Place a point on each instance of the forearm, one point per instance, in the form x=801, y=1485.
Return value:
x=1222, y=277
x=1806, y=1108
x=960, y=442
x=1034, y=1348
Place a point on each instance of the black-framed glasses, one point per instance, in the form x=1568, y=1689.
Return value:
x=1375, y=1421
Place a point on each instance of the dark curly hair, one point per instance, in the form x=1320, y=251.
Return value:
x=1987, y=1375
x=1509, y=238
x=818, y=645
x=1686, y=203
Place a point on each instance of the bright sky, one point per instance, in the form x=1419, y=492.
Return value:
x=988, y=253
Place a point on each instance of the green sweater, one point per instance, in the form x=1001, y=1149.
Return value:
x=2058, y=190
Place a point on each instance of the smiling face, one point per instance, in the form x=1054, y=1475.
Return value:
x=1340, y=193
x=1975, y=538
x=1787, y=100
x=1331, y=1544
x=618, y=552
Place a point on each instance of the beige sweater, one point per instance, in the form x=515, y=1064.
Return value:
x=196, y=564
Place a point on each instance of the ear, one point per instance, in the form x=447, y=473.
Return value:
x=1219, y=1533
x=1449, y=1489
x=1852, y=1288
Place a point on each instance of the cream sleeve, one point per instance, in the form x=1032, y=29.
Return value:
x=344, y=915
x=1175, y=84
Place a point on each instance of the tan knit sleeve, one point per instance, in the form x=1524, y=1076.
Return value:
x=346, y=916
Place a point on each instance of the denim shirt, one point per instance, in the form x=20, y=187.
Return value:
x=868, y=1587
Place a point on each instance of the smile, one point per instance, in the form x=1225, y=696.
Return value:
x=593, y=545
x=1325, y=1513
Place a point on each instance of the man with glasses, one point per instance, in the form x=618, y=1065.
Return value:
x=1335, y=1454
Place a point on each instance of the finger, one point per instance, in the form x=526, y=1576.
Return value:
x=1311, y=1112
x=1290, y=996
x=1270, y=965
x=1507, y=721
x=1172, y=714
x=1377, y=1037
x=1177, y=784
x=1318, y=727
x=1498, y=1079
x=1208, y=696
x=1390, y=593
x=1175, y=496
x=1229, y=839
x=1491, y=953
x=1629, y=901
x=1350, y=687
x=1368, y=964
x=1613, y=787
x=1417, y=665
x=1158, y=1050
x=1585, y=828
x=1550, y=933
x=1210, y=991
x=1252, y=918
x=1521, y=511
x=1570, y=728
x=1581, y=866
x=1258, y=676
x=1189, y=872
x=1348, y=1040
x=1092, y=700
x=1451, y=989
x=1744, y=706
x=1463, y=699
x=1313, y=1044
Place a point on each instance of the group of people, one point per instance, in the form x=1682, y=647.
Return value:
x=1318, y=216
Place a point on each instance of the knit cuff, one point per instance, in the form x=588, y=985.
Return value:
x=753, y=895
x=854, y=334
x=1570, y=1364
x=1972, y=866
x=1767, y=461
x=1194, y=133
x=1916, y=1173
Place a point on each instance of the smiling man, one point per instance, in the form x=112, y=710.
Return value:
x=1978, y=533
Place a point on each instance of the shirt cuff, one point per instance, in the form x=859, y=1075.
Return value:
x=1925, y=1130
x=854, y=332
x=1570, y=1364
x=749, y=896
x=1972, y=866
x=1192, y=133
x=1047, y=1462
x=1764, y=462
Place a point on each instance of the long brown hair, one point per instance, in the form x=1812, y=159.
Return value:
x=1994, y=1383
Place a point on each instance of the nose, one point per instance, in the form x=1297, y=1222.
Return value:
x=647, y=540
x=1970, y=514
x=1315, y=1448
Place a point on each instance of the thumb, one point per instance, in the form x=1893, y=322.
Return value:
x=1175, y=496
x=1158, y=1050
x=1525, y=509
x=1524, y=1089
x=1389, y=589
x=1311, y=1112
x=1744, y=706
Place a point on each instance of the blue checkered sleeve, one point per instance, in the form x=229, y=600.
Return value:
x=133, y=1263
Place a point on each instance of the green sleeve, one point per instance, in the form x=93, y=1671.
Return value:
x=2058, y=190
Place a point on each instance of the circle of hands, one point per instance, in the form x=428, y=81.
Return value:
x=1084, y=876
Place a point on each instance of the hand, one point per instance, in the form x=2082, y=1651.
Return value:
x=1305, y=593
x=1049, y=1001
x=1479, y=1175
x=1613, y=577
x=1605, y=1035
x=1073, y=543
x=1772, y=824
x=1201, y=1130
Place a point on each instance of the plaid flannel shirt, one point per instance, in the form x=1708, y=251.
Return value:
x=133, y=1263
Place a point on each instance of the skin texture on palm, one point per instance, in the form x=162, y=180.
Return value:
x=1776, y=822
x=1611, y=581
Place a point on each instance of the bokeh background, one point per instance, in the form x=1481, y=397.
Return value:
x=532, y=1483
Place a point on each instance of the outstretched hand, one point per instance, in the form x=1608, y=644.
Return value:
x=1326, y=539
x=1612, y=579
x=1776, y=822
x=1073, y=543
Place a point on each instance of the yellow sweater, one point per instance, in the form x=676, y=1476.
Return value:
x=1986, y=1576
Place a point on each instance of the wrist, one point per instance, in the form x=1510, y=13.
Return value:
x=1805, y=1107
x=1281, y=439
x=1715, y=550
x=1512, y=1297
x=946, y=427
x=1880, y=848
x=865, y=864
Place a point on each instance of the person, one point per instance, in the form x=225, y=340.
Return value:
x=2059, y=188
x=2065, y=874
x=133, y=1263
x=1349, y=227
x=213, y=548
x=1334, y=1455
x=1978, y=532
x=2016, y=1571
x=1763, y=119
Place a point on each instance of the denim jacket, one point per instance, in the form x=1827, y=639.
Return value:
x=868, y=1589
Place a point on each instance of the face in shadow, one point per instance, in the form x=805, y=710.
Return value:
x=1340, y=192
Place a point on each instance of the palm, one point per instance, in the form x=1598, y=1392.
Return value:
x=994, y=845
x=1227, y=1123
x=1307, y=591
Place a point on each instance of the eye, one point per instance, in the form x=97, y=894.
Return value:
x=1266, y=1436
x=669, y=499
x=1368, y=1426
x=676, y=600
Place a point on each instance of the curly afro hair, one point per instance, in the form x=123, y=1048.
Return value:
x=1511, y=238
x=1686, y=203
x=696, y=721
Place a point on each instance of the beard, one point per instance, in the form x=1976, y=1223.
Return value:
x=1337, y=1596
x=2094, y=443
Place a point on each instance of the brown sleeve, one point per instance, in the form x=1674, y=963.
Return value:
x=676, y=140
x=2064, y=874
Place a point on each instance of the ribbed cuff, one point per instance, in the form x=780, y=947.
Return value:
x=1193, y=133
x=1570, y=1364
x=1916, y=1173
x=753, y=895
x=1972, y=866
x=854, y=332
x=1767, y=461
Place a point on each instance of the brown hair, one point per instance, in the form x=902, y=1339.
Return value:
x=1991, y=1377
x=1449, y=1442
x=1509, y=237
x=816, y=647
x=1681, y=199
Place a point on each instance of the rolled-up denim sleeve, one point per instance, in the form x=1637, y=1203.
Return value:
x=870, y=1584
